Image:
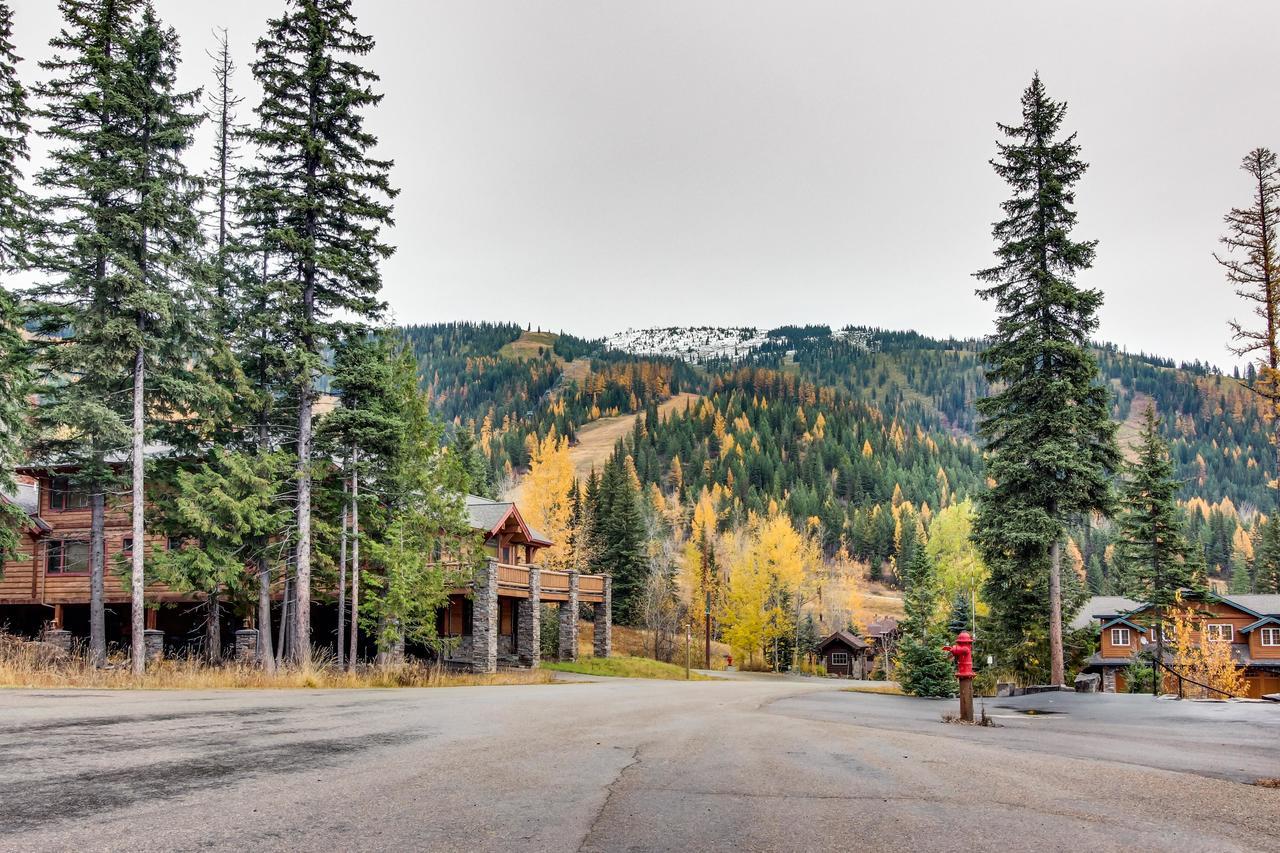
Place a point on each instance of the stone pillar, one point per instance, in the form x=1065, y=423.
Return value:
x=603, y=639
x=1109, y=679
x=153, y=641
x=568, y=650
x=247, y=645
x=59, y=637
x=484, y=618
x=529, y=622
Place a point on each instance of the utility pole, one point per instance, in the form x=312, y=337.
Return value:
x=688, y=647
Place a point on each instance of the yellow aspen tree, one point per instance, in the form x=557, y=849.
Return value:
x=1075, y=560
x=545, y=501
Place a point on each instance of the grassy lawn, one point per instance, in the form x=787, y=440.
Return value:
x=882, y=689
x=625, y=667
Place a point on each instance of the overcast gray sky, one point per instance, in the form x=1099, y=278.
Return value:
x=591, y=166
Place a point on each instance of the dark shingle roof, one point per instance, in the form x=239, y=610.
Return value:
x=1102, y=605
x=486, y=515
x=845, y=637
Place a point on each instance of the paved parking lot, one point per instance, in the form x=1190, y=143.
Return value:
x=628, y=765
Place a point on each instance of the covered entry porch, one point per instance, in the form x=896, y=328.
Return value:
x=497, y=619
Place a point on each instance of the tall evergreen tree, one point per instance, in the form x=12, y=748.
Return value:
x=418, y=495
x=1049, y=438
x=1266, y=563
x=1151, y=545
x=220, y=109
x=366, y=433
x=83, y=360
x=159, y=297
x=15, y=227
x=961, y=618
x=924, y=669
x=622, y=536
x=330, y=197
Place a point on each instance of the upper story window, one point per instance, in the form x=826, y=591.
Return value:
x=1220, y=631
x=1270, y=637
x=1119, y=636
x=64, y=495
x=67, y=556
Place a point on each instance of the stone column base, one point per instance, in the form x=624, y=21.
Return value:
x=154, y=642
x=247, y=645
x=602, y=640
x=59, y=637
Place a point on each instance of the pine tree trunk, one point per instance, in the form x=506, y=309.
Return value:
x=355, y=556
x=1057, y=675
x=342, y=581
x=284, y=623
x=266, y=655
x=139, y=649
x=300, y=652
x=97, y=578
x=213, y=627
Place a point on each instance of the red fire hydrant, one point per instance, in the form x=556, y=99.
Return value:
x=962, y=651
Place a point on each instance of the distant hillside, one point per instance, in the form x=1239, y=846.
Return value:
x=836, y=426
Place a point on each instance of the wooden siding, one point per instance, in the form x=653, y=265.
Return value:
x=1257, y=651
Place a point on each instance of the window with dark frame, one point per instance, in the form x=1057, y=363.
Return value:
x=64, y=495
x=126, y=546
x=67, y=557
x=1221, y=631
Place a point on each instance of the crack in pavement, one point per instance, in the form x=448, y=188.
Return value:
x=611, y=789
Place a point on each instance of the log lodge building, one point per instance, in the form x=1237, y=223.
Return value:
x=1250, y=623
x=493, y=620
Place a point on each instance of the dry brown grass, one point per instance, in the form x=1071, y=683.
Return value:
x=24, y=664
x=1268, y=783
x=886, y=689
x=635, y=642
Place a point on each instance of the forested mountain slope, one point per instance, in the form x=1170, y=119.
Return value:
x=846, y=430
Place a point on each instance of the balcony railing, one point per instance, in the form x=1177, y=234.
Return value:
x=554, y=584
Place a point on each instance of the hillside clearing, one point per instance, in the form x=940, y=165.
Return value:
x=597, y=439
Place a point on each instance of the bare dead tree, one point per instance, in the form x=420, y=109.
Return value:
x=1253, y=268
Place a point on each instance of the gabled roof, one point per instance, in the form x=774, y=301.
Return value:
x=490, y=517
x=1120, y=620
x=1261, y=623
x=26, y=496
x=1263, y=605
x=1100, y=606
x=1109, y=609
x=879, y=627
x=842, y=636
x=154, y=450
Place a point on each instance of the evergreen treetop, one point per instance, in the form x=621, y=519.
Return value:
x=1151, y=543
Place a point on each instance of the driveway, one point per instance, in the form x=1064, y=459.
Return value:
x=627, y=765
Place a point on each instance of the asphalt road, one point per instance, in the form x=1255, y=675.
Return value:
x=628, y=765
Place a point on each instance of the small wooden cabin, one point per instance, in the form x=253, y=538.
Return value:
x=845, y=655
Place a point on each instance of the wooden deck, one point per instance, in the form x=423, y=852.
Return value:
x=513, y=582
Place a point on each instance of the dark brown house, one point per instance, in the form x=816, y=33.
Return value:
x=845, y=655
x=492, y=619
